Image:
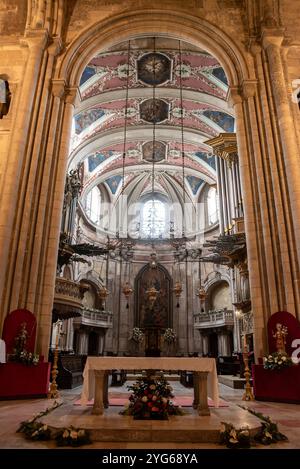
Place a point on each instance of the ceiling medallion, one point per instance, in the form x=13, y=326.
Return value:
x=154, y=110
x=154, y=69
x=154, y=151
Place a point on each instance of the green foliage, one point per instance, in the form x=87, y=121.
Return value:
x=268, y=433
x=72, y=436
x=35, y=430
x=233, y=437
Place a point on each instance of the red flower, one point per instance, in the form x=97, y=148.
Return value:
x=150, y=404
x=146, y=392
x=155, y=409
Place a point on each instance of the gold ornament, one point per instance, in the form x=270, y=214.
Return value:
x=201, y=293
x=127, y=291
x=151, y=295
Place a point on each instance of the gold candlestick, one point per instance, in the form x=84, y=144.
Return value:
x=53, y=392
x=248, y=395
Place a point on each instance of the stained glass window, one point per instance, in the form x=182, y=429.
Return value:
x=212, y=206
x=93, y=205
x=154, y=219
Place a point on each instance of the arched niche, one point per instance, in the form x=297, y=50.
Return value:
x=160, y=316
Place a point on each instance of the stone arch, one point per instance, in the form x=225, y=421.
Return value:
x=161, y=313
x=129, y=25
x=265, y=163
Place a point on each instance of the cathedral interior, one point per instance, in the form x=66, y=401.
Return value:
x=149, y=210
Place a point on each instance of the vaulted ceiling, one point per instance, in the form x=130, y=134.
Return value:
x=149, y=75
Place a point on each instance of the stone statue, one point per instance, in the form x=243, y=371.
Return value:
x=280, y=336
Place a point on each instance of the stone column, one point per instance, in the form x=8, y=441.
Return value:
x=220, y=194
x=57, y=194
x=253, y=254
x=13, y=192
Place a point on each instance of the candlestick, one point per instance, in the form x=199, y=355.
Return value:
x=53, y=393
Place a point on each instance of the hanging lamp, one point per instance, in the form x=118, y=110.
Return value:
x=201, y=293
x=178, y=285
x=126, y=289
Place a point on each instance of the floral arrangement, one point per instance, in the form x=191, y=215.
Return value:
x=137, y=335
x=36, y=430
x=268, y=433
x=169, y=336
x=72, y=436
x=151, y=398
x=277, y=361
x=20, y=354
x=234, y=438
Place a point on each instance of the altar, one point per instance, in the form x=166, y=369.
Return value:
x=95, y=375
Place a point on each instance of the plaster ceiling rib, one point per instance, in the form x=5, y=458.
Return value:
x=135, y=168
x=135, y=133
x=177, y=187
x=139, y=93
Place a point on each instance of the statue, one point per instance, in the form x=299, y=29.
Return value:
x=280, y=336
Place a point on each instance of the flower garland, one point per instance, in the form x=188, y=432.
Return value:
x=72, y=436
x=34, y=429
x=277, y=361
x=268, y=432
x=241, y=438
x=151, y=398
x=234, y=438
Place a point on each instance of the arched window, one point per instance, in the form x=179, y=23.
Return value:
x=212, y=206
x=154, y=219
x=93, y=205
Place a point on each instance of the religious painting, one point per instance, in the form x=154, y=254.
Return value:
x=223, y=120
x=113, y=183
x=154, y=152
x=154, y=110
x=195, y=183
x=159, y=315
x=154, y=69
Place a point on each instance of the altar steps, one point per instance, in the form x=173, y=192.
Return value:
x=113, y=427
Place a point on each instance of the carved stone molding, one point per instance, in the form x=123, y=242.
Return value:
x=224, y=146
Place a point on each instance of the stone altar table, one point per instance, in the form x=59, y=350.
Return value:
x=96, y=372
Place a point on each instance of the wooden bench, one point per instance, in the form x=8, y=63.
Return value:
x=69, y=371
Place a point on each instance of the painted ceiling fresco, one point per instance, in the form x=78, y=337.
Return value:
x=199, y=72
x=197, y=116
x=194, y=183
x=153, y=102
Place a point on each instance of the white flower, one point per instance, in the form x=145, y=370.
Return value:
x=223, y=428
x=283, y=358
x=45, y=427
x=144, y=398
x=66, y=434
x=152, y=386
x=164, y=400
x=73, y=435
x=154, y=398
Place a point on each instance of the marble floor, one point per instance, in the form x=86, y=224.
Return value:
x=286, y=415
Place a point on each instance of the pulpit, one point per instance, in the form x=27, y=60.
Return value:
x=19, y=380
